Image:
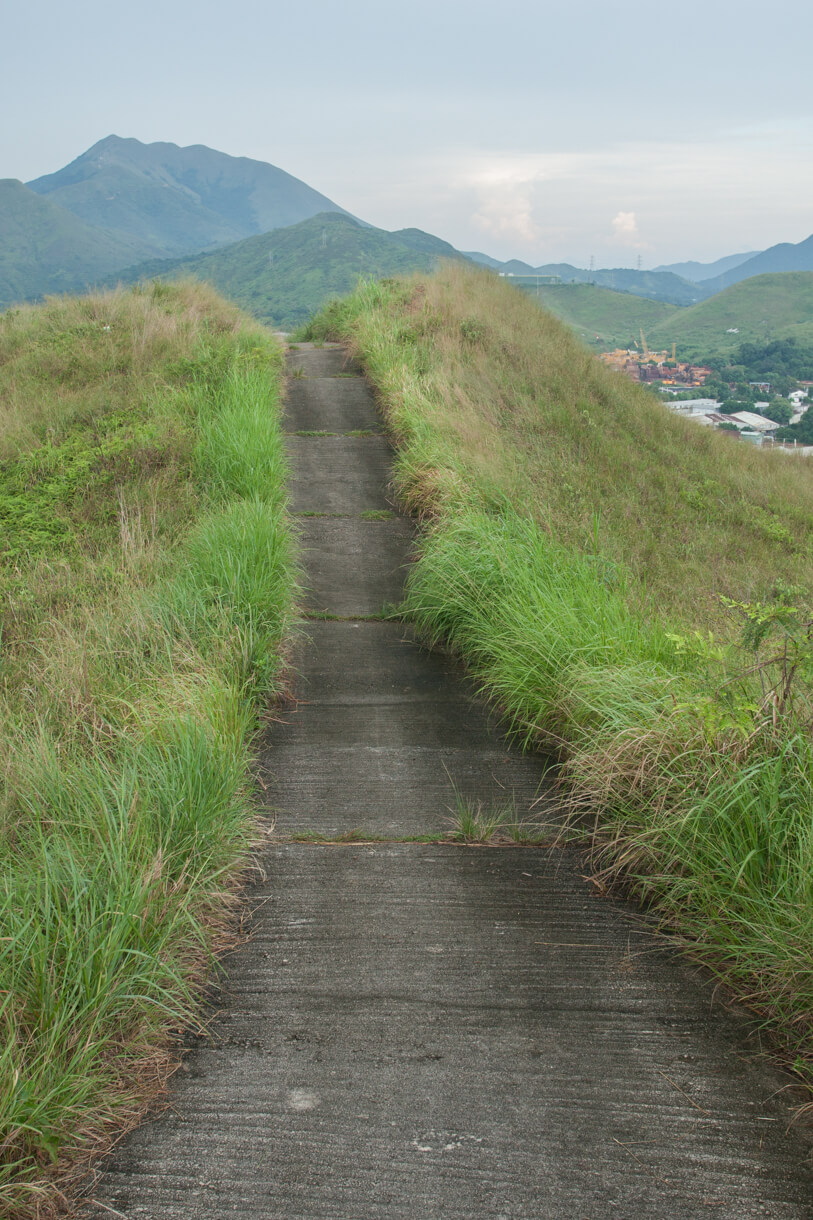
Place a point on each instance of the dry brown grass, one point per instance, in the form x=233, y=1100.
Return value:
x=74, y=358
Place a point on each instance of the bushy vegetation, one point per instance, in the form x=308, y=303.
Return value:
x=147, y=580
x=779, y=357
x=802, y=432
x=631, y=591
x=743, y=375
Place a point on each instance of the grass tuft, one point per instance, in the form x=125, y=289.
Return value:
x=474, y=822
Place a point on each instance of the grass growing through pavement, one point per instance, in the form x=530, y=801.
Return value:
x=634, y=592
x=147, y=585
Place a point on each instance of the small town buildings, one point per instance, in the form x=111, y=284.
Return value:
x=655, y=367
x=756, y=423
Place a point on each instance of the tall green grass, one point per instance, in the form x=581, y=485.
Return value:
x=132, y=678
x=576, y=540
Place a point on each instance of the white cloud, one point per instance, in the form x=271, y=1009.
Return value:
x=508, y=190
x=625, y=230
x=667, y=200
x=506, y=211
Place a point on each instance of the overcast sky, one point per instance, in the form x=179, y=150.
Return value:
x=613, y=129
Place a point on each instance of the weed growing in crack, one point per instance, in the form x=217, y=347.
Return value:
x=474, y=822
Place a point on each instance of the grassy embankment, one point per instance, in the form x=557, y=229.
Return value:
x=147, y=584
x=578, y=541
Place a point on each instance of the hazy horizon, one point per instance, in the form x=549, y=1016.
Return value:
x=539, y=135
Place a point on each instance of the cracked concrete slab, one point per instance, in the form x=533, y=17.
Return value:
x=424, y=1031
x=336, y=404
x=338, y=474
x=354, y=566
x=391, y=734
x=327, y=360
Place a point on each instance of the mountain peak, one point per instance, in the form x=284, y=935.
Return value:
x=170, y=200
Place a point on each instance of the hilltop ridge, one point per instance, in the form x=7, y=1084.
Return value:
x=284, y=275
x=658, y=285
x=697, y=272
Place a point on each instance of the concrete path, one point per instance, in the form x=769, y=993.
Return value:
x=418, y=1030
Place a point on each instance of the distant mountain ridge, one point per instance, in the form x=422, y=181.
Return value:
x=125, y=209
x=697, y=272
x=697, y=280
x=786, y=256
x=659, y=285
x=686, y=283
x=171, y=201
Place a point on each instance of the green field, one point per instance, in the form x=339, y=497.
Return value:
x=601, y=318
x=636, y=595
x=147, y=584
